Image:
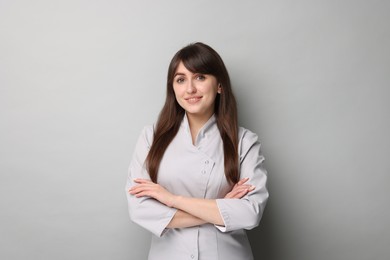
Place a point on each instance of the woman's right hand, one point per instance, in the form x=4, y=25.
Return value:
x=240, y=189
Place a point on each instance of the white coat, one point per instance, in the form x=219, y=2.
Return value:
x=198, y=171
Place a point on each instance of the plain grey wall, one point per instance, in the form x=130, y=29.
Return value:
x=79, y=80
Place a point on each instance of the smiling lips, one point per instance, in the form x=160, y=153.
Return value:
x=193, y=100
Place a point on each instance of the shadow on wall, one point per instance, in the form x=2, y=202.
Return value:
x=261, y=238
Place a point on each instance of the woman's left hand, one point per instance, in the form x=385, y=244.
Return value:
x=147, y=188
x=240, y=189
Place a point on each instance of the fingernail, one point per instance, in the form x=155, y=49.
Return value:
x=252, y=187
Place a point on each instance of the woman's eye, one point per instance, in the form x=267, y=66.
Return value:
x=200, y=77
x=179, y=80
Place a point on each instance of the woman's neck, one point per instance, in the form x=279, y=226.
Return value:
x=196, y=123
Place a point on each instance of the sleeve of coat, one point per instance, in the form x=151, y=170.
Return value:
x=245, y=213
x=146, y=212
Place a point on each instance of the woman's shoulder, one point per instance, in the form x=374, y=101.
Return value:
x=148, y=129
x=246, y=140
x=246, y=135
x=147, y=133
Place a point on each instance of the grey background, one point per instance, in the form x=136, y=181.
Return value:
x=79, y=80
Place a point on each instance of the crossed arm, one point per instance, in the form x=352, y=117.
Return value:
x=190, y=211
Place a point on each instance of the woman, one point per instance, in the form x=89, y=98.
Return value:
x=197, y=180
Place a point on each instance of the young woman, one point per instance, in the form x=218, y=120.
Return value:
x=197, y=180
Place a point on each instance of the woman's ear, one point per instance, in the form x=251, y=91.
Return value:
x=219, y=90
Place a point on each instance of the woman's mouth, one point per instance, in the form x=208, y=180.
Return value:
x=193, y=100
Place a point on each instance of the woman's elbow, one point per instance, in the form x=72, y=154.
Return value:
x=253, y=221
x=256, y=213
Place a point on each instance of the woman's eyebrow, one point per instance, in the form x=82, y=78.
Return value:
x=179, y=74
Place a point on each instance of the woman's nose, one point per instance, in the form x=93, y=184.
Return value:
x=190, y=88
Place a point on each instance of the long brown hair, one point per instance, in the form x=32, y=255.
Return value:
x=197, y=58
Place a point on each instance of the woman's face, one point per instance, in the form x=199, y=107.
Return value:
x=195, y=92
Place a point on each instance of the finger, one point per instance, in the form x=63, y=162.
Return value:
x=143, y=194
x=240, y=194
x=244, y=186
x=135, y=187
x=237, y=191
x=139, y=188
x=242, y=181
x=234, y=195
x=228, y=196
x=145, y=184
x=136, y=190
x=139, y=180
x=145, y=191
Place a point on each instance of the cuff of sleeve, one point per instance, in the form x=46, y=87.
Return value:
x=165, y=221
x=225, y=216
